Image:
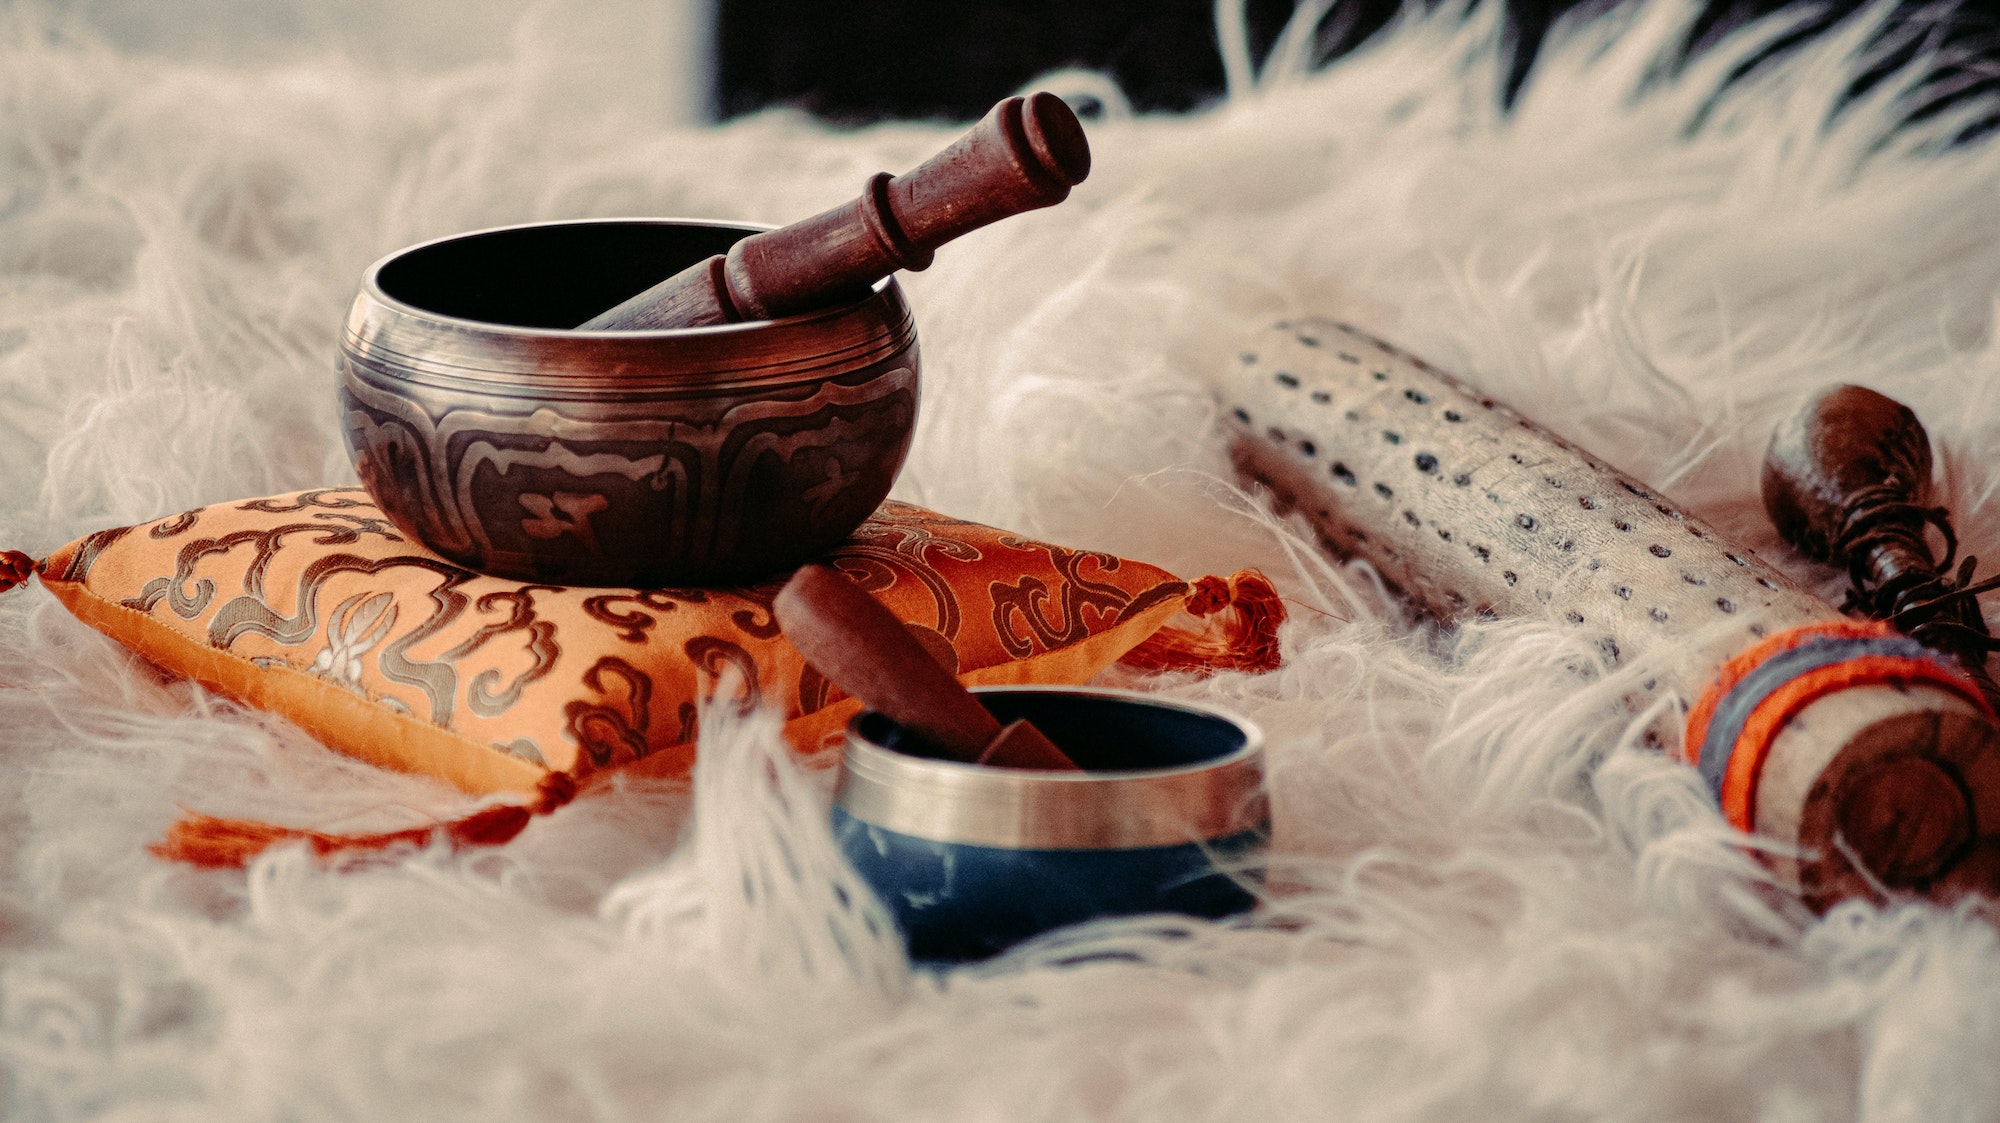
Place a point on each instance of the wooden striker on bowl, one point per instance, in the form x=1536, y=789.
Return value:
x=1887, y=782
x=1024, y=154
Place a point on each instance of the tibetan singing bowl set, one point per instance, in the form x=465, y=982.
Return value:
x=536, y=403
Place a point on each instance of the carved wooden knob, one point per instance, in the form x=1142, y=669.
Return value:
x=1026, y=153
x=1847, y=446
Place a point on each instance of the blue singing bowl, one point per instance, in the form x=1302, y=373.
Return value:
x=1164, y=816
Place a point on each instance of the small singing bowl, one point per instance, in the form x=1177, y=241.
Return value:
x=1166, y=815
x=492, y=432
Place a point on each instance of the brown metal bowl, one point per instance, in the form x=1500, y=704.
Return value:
x=496, y=435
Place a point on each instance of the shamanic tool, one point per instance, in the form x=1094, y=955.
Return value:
x=862, y=648
x=1847, y=482
x=1024, y=154
x=1874, y=761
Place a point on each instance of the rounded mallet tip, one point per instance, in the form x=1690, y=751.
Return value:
x=1056, y=137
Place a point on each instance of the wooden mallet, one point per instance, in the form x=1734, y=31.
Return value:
x=1024, y=154
x=862, y=648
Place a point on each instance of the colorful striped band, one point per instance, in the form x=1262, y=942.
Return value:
x=1754, y=695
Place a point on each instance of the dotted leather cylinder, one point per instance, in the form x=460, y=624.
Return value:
x=1467, y=506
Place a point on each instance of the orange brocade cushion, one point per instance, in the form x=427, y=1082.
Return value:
x=313, y=606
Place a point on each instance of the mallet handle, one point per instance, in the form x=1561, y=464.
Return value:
x=1024, y=154
x=862, y=648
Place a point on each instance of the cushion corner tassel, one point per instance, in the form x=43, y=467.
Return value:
x=1240, y=616
x=15, y=568
x=218, y=843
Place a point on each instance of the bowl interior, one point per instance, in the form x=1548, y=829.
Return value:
x=1100, y=733
x=555, y=275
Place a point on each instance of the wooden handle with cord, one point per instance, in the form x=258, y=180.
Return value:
x=1880, y=764
x=1847, y=480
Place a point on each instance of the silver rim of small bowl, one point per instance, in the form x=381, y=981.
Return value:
x=1013, y=808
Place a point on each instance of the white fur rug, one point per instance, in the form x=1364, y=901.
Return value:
x=1489, y=905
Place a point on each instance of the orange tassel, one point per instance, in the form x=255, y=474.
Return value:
x=15, y=567
x=1243, y=614
x=212, y=843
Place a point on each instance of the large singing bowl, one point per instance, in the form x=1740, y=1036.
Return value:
x=492, y=432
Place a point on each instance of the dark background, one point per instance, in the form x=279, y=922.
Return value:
x=856, y=61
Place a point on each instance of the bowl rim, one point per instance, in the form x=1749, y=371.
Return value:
x=1253, y=738
x=962, y=804
x=371, y=286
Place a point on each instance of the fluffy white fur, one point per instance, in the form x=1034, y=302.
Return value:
x=1486, y=902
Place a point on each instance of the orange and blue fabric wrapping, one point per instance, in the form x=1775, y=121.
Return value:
x=1731, y=729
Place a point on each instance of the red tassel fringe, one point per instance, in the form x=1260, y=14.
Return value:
x=212, y=843
x=1242, y=613
x=15, y=567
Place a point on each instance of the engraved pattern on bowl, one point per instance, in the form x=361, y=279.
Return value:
x=534, y=452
